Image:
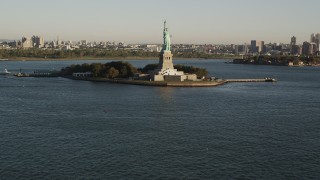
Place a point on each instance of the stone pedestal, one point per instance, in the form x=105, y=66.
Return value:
x=165, y=60
x=165, y=66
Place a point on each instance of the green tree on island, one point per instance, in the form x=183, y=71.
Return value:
x=122, y=69
x=112, y=73
x=110, y=70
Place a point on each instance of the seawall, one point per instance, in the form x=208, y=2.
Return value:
x=155, y=83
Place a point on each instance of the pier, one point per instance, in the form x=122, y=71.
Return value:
x=251, y=80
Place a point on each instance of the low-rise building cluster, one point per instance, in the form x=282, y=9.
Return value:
x=38, y=42
x=254, y=48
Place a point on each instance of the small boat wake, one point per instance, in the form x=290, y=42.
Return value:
x=5, y=72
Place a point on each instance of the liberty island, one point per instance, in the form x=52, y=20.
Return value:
x=163, y=75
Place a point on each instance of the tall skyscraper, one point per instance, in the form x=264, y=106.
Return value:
x=294, y=49
x=41, y=41
x=59, y=42
x=261, y=47
x=314, y=48
x=312, y=38
x=306, y=48
x=293, y=41
x=317, y=36
x=253, y=46
x=317, y=40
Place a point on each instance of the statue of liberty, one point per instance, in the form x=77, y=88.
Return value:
x=166, y=38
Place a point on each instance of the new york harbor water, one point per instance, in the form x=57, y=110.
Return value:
x=57, y=128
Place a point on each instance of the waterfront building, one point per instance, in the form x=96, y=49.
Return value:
x=53, y=44
x=26, y=42
x=82, y=74
x=314, y=48
x=59, y=42
x=295, y=50
x=153, y=48
x=240, y=49
x=306, y=48
x=34, y=41
x=40, y=41
x=260, y=47
x=37, y=41
x=236, y=49
x=13, y=44
x=315, y=38
x=121, y=44
x=165, y=70
x=277, y=47
x=317, y=43
x=67, y=47
x=84, y=42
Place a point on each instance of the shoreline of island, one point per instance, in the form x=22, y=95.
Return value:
x=200, y=83
x=152, y=83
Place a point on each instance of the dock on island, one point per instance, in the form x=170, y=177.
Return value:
x=251, y=80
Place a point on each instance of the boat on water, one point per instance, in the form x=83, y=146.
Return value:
x=5, y=72
x=268, y=79
x=22, y=75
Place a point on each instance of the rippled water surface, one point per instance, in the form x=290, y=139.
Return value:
x=60, y=128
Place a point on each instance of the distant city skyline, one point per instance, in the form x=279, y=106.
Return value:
x=190, y=22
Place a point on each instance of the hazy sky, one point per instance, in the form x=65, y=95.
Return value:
x=141, y=21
